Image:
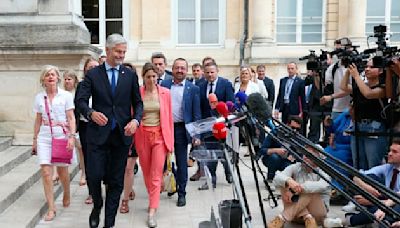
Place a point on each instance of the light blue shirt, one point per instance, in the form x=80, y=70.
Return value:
x=385, y=172
x=288, y=88
x=177, y=101
x=109, y=72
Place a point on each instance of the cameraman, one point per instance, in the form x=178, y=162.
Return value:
x=369, y=97
x=333, y=76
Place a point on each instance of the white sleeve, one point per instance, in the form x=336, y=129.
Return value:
x=328, y=75
x=69, y=101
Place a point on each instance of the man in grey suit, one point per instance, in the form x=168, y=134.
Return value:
x=160, y=61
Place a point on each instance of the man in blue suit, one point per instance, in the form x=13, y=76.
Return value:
x=223, y=89
x=185, y=109
x=160, y=61
x=115, y=91
x=291, y=96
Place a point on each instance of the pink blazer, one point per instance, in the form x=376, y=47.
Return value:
x=166, y=121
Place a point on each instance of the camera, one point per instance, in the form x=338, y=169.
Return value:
x=315, y=62
x=383, y=54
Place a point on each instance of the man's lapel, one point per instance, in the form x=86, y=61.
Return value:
x=104, y=78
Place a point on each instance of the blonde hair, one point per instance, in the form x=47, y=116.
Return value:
x=72, y=74
x=45, y=71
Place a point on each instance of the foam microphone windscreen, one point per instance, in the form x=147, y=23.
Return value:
x=212, y=100
x=219, y=131
x=222, y=109
x=259, y=107
x=231, y=106
x=240, y=99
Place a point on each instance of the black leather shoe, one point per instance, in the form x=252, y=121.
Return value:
x=181, y=201
x=94, y=218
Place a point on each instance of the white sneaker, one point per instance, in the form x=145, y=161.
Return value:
x=349, y=208
x=333, y=222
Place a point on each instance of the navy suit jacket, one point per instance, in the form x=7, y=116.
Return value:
x=223, y=91
x=127, y=96
x=269, y=85
x=297, y=94
x=191, y=101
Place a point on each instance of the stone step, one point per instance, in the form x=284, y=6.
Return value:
x=12, y=157
x=17, y=181
x=5, y=142
x=29, y=209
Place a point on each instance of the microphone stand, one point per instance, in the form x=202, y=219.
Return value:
x=239, y=189
x=244, y=129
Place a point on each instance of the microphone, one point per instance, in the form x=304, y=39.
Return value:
x=231, y=106
x=240, y=100
x=261, y=109
x=212, y=100
x=219, y=131
x=222, y=109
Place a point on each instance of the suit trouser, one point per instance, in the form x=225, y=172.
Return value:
x=83, y=138
x=152, y=160
x=181, y=156
x=107, y=160
x=309, y=203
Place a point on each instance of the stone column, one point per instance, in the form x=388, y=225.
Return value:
x=35, y=33
x=356, y=21
x=262, y=21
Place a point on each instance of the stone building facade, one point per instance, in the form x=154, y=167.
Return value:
x=65, y=32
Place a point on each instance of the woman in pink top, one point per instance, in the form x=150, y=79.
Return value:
x=155, y=136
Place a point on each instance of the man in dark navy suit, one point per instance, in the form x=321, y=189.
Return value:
x=268, y=83
x=223, y=89
x=160, y=61
x=185, y=109
x=115, y=91
x=291, y=96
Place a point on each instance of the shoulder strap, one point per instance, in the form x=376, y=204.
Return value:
x=46, y=105
x=334, y=69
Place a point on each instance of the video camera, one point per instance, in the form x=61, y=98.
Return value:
x=350, y=55
x=315, y=62
x=383, y=54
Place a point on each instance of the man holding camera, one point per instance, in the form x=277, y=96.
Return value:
x=305, y=194
x=333, y=77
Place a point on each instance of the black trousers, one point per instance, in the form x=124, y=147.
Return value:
x=82, y=137
x=107, y=162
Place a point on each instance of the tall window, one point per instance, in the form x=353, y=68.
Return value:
x=200, y=21
x=300, y=21
x=102, y=18
x=386, y=12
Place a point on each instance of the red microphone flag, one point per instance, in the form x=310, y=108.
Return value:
x=219, y=131
x=222, y=109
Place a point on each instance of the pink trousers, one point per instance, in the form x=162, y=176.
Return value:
x=152, y=159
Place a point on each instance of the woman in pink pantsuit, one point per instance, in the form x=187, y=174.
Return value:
x=155, y=136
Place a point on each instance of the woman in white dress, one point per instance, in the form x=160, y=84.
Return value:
x=61, y=110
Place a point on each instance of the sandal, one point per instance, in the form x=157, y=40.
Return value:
x=132, y=195
x=124, y=207
x=50, y=215
x=89, y=200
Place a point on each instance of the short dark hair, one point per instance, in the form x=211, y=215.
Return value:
x=180, y=59
x=158, y=55
x=197, y=65
x=261, y=67
x=211, y=64
x=207, y=58
x=130, y=66
x=296, y=119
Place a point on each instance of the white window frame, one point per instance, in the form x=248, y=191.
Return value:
x=387, y=18
x=102, y=21
x=299, y=16
x=221, y=25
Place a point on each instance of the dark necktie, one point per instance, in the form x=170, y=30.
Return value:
x=159, y=80
x=211, y=88
x=113, y=86
x=394, y=178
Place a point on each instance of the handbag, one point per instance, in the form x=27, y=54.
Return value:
x=59, y=151
x=169, y=178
